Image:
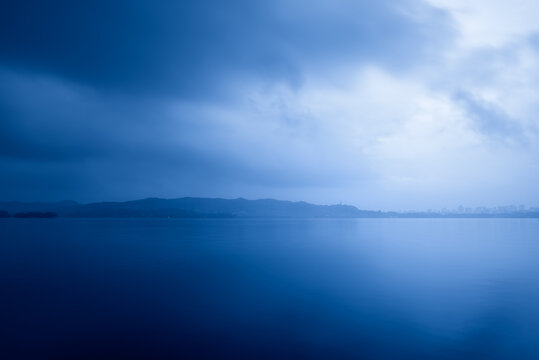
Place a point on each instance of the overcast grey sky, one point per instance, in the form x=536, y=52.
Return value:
x=408, y=104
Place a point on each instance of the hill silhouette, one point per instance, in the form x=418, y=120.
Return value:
x=189, y=207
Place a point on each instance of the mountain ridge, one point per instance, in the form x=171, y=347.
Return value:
x=187, y=207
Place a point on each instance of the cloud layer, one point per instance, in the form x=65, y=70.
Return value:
x=409, y=106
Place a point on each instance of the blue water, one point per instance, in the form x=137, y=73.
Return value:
x=269, y=289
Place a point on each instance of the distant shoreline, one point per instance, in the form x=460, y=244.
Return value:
x=189, y=207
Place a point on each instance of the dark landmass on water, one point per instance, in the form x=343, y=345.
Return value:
x=190, y=207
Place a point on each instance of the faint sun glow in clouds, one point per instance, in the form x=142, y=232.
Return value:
x=442, y=116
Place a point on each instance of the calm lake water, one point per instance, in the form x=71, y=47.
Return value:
x=269, y=289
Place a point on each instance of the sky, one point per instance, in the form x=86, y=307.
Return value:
x=403, y=105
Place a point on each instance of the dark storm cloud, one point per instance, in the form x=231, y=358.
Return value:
x=41, y=120
x=59, y=140
x=88, y=90
x=489, y=119
x=192, y=48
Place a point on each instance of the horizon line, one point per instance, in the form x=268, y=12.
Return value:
x=460, y=209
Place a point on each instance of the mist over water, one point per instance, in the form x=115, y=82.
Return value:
x=270, y=288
